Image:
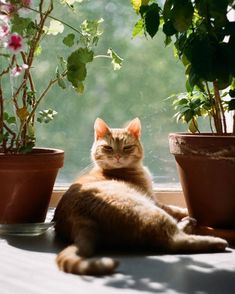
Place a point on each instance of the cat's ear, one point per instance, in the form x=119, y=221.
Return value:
x=101, y=128
x=134, y=127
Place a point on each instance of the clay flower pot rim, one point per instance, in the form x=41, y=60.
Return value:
x=205, y=144
x=202, y=135
x=39, y=158
x=35, y=152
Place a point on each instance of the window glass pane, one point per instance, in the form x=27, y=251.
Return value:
x=149, y=75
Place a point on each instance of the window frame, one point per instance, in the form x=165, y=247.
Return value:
x=165, y=196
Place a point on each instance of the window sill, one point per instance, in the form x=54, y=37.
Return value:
x=173, y=197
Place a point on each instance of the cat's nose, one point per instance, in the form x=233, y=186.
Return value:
x=117, y=156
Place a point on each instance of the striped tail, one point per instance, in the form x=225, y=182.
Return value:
x=69, y=261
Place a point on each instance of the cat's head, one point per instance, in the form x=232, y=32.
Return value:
x=117, y=148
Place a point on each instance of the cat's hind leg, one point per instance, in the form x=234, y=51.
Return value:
x=177, y=212
x=185, y=243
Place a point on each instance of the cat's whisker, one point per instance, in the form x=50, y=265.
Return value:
x=86, y=169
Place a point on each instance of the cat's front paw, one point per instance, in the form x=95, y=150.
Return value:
x=187, y=224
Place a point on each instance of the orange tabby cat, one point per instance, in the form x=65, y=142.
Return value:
x=113, y=206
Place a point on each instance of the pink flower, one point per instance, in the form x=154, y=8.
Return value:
x=4, y=30
x=26, y=3
x=17, y=70
x=15, y=43
x=7, y=8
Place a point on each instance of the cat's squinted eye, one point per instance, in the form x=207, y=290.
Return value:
x=107, y=148
x=128, y=148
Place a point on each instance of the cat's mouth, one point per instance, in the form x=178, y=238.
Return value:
x=120, y=163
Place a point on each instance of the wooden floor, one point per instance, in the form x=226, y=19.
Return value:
x=27, y=266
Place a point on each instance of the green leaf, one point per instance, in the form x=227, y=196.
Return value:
x=30, y=131
x=45, y=116
x=11, y=120
x=80, y=88
x=201, y=52
x=63, y=63
x=38, y=50
x=181, y=15
x=232, y=93
x=76, y=65
x=30, y=97
x=82, y=55
x=167, y=9
x=152, y=19
x=27, y=147
x=188, y=115
x=138, y=28
x=216, y=10
x=116, y=59
x=91, y=27
x=69, y=40
x=76, y=73
x=167, y=41
x=188, y=86
x=90, y=32
x=5, y=116
x=136, y=5
x=20, y=24
x=182, y=101
x=231, y=104
x=168, y=28
x=61, y=82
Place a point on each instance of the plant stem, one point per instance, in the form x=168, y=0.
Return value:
x=13, y=134
x=234, y=124
x=50, y=84
x=213, y=110
x=195, y=125
x=39, y=33
x=103, y=56
x=2, y=118
x=6, y=71
x=210, y=122
x=222, y=126
x=31, y=83
x=29, y=61
x=57, y=19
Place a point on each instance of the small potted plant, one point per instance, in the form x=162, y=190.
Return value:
x=203, y=37
x=27, y=174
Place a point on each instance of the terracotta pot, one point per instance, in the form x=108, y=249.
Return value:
x=206, y=168
x=26, y=183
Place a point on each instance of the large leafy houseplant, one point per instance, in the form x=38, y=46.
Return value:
x=203, y=37
x=24, y=26
x=204, y=40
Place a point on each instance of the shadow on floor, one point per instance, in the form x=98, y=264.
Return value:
x=46, y=242
x=154, y=274
x=183, y=275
